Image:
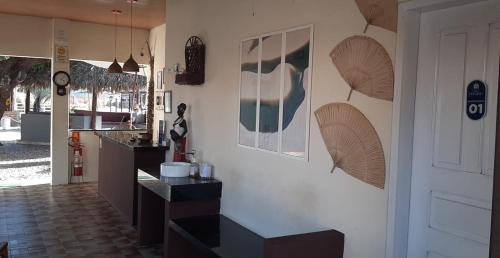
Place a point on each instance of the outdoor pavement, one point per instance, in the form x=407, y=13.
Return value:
x=10, y=135
x=22, y=164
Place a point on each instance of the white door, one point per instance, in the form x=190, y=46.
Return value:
x=452, y=177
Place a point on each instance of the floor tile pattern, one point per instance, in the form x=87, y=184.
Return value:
x=65, y=221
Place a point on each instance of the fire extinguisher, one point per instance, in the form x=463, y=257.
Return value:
x=74, y=142
x=77, y=161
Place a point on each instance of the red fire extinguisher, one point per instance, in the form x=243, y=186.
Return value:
x=77, y=164
x=77, y=161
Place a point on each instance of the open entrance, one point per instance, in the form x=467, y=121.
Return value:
x=25, y=108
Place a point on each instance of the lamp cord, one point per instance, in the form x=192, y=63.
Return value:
x=116, y=33
x=131, y=2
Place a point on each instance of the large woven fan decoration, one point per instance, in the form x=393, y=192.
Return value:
x=381, y=13
x=366, y=66
x=352, y=142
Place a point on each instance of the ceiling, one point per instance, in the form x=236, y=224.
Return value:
x=147, y=13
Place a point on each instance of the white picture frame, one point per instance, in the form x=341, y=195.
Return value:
x=307, y=99
x=167, y=100
x=159, y=101
x=159, y=80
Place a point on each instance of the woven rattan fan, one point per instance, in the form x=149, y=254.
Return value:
x=381, y=13
x=366, y=66
x=352, y=142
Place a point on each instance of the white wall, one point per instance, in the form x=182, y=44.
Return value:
x=89, y=41
x=31, y=36
x=91, y=143
x=59, y=120
x=269, y=194
x=157, y=40
x=25, y=36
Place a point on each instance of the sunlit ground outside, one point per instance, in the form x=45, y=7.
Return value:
x=22, y=164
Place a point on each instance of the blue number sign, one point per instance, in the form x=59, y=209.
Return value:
x=476, y=100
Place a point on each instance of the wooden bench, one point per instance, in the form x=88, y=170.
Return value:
x=216, y=236
x=4, y=250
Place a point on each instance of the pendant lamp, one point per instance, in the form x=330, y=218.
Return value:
x=131, y=65
x=115, y=66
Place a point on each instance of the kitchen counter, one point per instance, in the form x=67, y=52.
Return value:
x=178, y=189
x=123, y=138
x=118, y=163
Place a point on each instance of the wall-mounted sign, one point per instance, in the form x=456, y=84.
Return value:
x=476, y=100
x=62, y=54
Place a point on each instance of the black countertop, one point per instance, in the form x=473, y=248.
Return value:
x=123, y=138
x=179, y=189
x=140, y=130
x=220, y=235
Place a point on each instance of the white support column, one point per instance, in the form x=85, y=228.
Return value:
x=59, y=118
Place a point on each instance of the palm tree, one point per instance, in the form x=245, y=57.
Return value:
x=28, y=73
x=41, y=96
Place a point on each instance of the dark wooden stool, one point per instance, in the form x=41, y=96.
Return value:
x=4, y=250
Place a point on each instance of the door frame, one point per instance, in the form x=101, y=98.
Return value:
x=401, y=159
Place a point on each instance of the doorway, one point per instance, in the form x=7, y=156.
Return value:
x=440, y=155
x=453, y=151
x=25, y=110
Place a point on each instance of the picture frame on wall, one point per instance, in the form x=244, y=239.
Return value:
x=164, y=74
x=159, y=80
x=160, y=102
x=167, y=98
x=274, y=106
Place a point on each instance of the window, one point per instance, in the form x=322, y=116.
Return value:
x=112, y=96
x=275, y=88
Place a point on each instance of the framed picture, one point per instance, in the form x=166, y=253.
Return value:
x=159, y=80
x=167, y=98
x=159, y=102
x=275, y=101
x=165, y=73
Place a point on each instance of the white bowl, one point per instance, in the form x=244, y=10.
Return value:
x=175, y=169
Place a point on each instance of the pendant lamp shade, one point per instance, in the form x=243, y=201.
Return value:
x=115, y=66
x=131, y=65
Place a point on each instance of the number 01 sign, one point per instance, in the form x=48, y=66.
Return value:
x=476, y=100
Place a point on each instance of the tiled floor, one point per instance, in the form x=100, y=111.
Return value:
x=65, y=221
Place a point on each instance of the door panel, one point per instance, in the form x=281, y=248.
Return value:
x=453, y=155
x=461, y=59
x=460, y=216
x=435, y=255
x=449, y=124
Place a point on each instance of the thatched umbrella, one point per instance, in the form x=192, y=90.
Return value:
x=97, y=79
x=28, y=73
